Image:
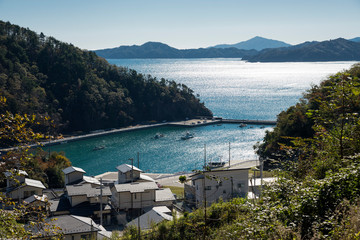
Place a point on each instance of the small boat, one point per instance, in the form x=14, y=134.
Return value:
x=187, y=136
x=212, y=165
x=242, y=125
x=158, y=135
x=98, y=148
x=262, y=127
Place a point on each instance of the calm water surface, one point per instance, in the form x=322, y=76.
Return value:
x=231, y=88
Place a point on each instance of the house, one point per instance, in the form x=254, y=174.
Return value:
x=14, y=178
x=154, y=216
x=133, y=195
x=85, y=200
x=75, y=175
x=210, y=186
x=128, y=173
x=79, y=193
x=26, y=189
x=74, y=228
x=255, y=186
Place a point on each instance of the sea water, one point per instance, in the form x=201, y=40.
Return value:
x=231, y=88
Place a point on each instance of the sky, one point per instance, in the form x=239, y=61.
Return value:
x=99, y=24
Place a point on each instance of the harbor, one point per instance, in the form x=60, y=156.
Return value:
x=190, y=123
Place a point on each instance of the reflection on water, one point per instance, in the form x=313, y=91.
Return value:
x=168, y=154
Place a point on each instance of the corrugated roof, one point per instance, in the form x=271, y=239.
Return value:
x=136, y=187
x=164, y=194
x=92, y=180
x=34, y=183
x=154, y=216
x=73, y=169
x=86, y=189
x=126, y=168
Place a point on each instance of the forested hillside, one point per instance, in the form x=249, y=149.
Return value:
x=81, y=91
x=333, y=50
x=316, y=145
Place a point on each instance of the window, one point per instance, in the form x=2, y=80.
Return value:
x=224, y=192
x=239, y=185
x=208, y=188
x=135, y=196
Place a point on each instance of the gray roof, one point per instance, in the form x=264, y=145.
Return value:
x=154, y=216
x=126, y=168
x=86, y=189
x=73, y=169
x=164, y=194
x=135, y=187
x=71, y=224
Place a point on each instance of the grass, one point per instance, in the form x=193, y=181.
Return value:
x=179, y=191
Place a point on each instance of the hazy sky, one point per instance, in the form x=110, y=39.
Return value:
x=97, y=24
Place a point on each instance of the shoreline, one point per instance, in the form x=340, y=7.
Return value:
x=197, y=122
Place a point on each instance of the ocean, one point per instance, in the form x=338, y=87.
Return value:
x=231, y=88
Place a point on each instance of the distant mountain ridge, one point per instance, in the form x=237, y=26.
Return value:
x=257, y=43
x=161, y=50
x=333, y=50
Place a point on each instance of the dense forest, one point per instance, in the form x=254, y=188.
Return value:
x=81, y=91
x=316, y=146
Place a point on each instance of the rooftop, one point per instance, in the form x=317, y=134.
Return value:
x=73, y=169
x=86, y=189
x=136, y=187
x=154, y=216
x=124, y=168
x=164, y=194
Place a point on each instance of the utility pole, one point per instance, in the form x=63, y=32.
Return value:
x=138, y=159
x=205, y=157
x=204, y=235
x=139, y=216
x=132, y=169
x=101, y=193
x=229, y=155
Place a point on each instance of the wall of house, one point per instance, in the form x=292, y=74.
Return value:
x=75, y=200
x=127, y=200
x=126, y=177
x=72, y=177
x=222, y=184
x=25, y=192
x=97, y=199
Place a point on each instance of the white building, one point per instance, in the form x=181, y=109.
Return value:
x=133, y=195
x=210, y=186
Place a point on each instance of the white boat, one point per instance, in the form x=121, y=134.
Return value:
x=242, y=125
x=187, y=136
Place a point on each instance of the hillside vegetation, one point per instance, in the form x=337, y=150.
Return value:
x=333, y=50
x=317, y=195
x=160, y=50
x=81, y=91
